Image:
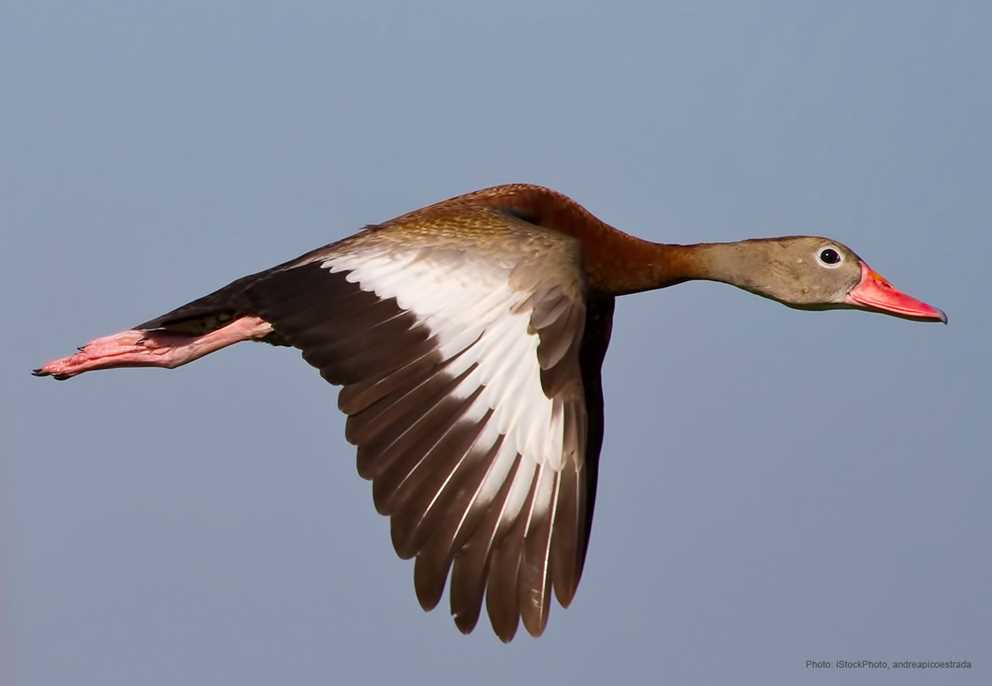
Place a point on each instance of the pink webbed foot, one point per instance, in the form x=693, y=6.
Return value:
x=136, y=348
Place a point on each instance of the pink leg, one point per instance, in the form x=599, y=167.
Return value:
x=136, y=348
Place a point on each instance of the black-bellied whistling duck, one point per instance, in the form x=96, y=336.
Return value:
x=468, y=337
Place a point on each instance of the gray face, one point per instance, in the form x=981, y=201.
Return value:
x=808, y=272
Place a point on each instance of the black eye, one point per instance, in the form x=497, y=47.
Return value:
x=829, y=256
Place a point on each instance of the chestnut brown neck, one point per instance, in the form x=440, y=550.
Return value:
x=747, y=264
x=624, y=264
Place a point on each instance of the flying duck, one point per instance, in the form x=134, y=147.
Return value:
x=467, y=338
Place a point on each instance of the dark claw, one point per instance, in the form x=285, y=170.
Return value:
x=39, y=372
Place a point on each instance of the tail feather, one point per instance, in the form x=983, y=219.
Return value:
x=210, y=311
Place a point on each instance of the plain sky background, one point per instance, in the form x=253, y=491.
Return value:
x=775, y=485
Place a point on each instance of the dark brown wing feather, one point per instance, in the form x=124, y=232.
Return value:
x=577, y=491
x=421, y=452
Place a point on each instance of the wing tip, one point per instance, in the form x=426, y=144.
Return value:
x=465, y=622
x=536, y=626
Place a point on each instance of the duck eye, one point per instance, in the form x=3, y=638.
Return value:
x=829, y=257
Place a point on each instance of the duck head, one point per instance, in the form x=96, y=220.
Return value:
x=817, y=273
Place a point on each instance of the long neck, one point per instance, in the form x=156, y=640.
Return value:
x=626, y=264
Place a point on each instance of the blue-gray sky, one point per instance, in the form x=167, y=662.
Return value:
x=775, y=485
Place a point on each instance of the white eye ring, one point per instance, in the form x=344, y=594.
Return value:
x=829, y=256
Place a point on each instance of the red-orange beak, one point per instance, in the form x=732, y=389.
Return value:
x=875, y=293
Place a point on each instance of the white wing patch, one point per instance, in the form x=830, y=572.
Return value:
x=479, y=318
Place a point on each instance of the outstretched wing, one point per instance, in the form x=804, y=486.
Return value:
x=460, y=350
